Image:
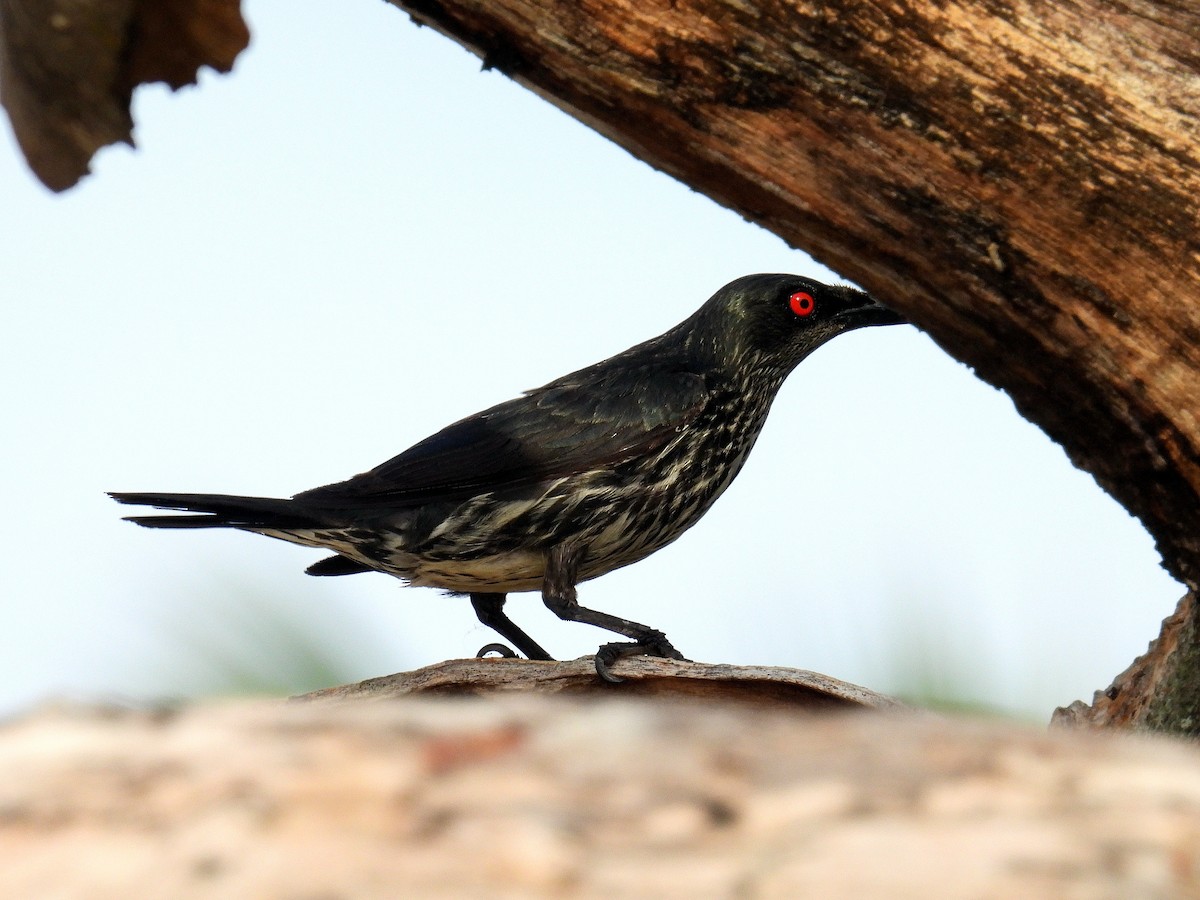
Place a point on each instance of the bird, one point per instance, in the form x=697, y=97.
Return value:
x=567, y=482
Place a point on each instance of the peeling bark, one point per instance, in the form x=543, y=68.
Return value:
x=68, y=69
x=645, y=676
x=1160, y=691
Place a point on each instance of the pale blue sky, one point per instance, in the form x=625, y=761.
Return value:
x=358, y=237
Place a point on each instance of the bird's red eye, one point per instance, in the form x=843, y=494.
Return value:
x=802, y=303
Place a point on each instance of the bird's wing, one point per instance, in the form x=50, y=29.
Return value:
x=569, y=426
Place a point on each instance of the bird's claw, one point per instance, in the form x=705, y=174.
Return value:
x=502, y=650
x=610, y=653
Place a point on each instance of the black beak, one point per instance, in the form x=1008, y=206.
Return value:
x=862, y=309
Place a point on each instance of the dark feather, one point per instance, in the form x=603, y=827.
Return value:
x=337, y=565
x=588, y=420
x=219, y=511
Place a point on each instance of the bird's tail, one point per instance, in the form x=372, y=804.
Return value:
x=220, y=511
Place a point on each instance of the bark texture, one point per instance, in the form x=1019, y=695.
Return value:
x=1020, y=178
x=644, y=677
x=551, y=797
x=68, y=69
x=1160, y=691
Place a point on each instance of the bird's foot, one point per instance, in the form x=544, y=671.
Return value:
x=654, y=644
x=501, y=650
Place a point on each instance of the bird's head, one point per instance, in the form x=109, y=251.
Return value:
x=774, y=321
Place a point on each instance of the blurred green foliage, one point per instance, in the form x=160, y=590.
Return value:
x=243, y=639
x=238, y=638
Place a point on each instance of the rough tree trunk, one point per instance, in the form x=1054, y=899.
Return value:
x=1020, y=178
x=532, y=796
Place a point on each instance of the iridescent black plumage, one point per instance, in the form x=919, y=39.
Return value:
x=588, y=473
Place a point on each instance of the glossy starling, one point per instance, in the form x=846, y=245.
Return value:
x=591, y=472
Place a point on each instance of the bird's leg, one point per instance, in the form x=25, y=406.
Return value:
x=489, y=609
x=502, y=650
x=558, y=593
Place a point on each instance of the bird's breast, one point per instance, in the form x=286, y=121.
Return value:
x=499, y=573
x=621, y=513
